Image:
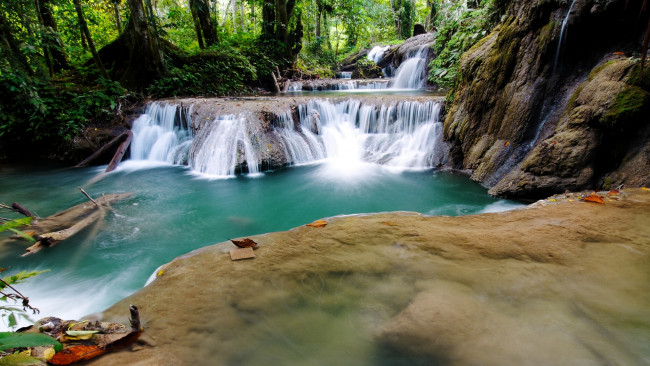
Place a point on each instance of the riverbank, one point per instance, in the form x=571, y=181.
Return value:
x=562, y=280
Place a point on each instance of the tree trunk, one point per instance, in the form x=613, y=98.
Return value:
x=11, y=48
x=91, y=45
x=145, y=59
x=118, y=18
x=197, y=25
x=242, y=15
x=208, y=29
x=52, y=44
x=151, y=17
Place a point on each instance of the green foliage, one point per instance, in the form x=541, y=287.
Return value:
x=35, y=110
x=317, y=58
x=406, y=19
x=11, y=340
x=220, y=71
x=10, y=296
x=458, y=30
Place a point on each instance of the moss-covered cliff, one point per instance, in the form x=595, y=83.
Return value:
x=531, y=117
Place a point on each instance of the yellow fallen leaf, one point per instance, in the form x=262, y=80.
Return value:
x=49, y=353
x=553, y=200
x=160, y=272
x=645, y=189
x=318, y=223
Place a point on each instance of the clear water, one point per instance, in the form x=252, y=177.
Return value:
x=174, y=211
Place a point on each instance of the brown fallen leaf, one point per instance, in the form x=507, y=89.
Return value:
x=76, y=354
x=244, y=243
x=613, y=192
x=594, y=198
x=318, y=223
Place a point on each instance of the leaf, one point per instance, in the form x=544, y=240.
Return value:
x=9, y=340
x=594, y=198
x=19, y=359
x=76, y=354
x=318, y=223
x=244, y=243
x=16, y=223
x=11, y=320
x=23, y=235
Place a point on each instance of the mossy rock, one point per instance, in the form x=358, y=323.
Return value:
x=546, y=35
x=627, y=108
x=640, y=78
x=366, y=69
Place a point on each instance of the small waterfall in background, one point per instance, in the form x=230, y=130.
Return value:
x=344, y=75
x=562, y=38
x=411, y=73
x=405, y=135
x=376, y=54
x=222, y=146
x=162, y=134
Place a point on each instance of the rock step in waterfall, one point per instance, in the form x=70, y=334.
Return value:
x=405, y=134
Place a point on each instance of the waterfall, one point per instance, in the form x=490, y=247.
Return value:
x=562, y=37
x=344, y=75
x=376, y=54
x=223, y=145
x=300, y=145
x=162, y=134
x=411, y=73
x=406, y=134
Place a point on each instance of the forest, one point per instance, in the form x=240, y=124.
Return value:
x=69, y=65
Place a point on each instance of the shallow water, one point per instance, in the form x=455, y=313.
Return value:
x=174, y=211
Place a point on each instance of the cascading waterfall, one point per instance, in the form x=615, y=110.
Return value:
x=407, y=134
x=562, y=37
x=411, y=73
x=300, y=145
x=162, y=134
x=376, y=54
x=224, y=145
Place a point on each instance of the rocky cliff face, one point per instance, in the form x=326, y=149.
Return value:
x=533, y=116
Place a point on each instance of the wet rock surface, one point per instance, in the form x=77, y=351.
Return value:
x=532, y=117
x=563, y=281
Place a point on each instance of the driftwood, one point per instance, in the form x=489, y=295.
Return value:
x=63, y=225
x=109, y=145
x=119, y=154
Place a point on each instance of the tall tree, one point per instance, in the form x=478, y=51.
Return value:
x=11, y=48
x=282, y=24
x=201, y=11
x=55, y=57
x=145, y=60
x=84, y=29
x=118, y=18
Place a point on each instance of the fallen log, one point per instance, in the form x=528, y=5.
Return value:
x=109, y=145
x=119, y=154
x=63, y=225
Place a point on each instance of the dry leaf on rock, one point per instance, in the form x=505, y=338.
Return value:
x=318, y=223
x=594, y=198
x=244, y=243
